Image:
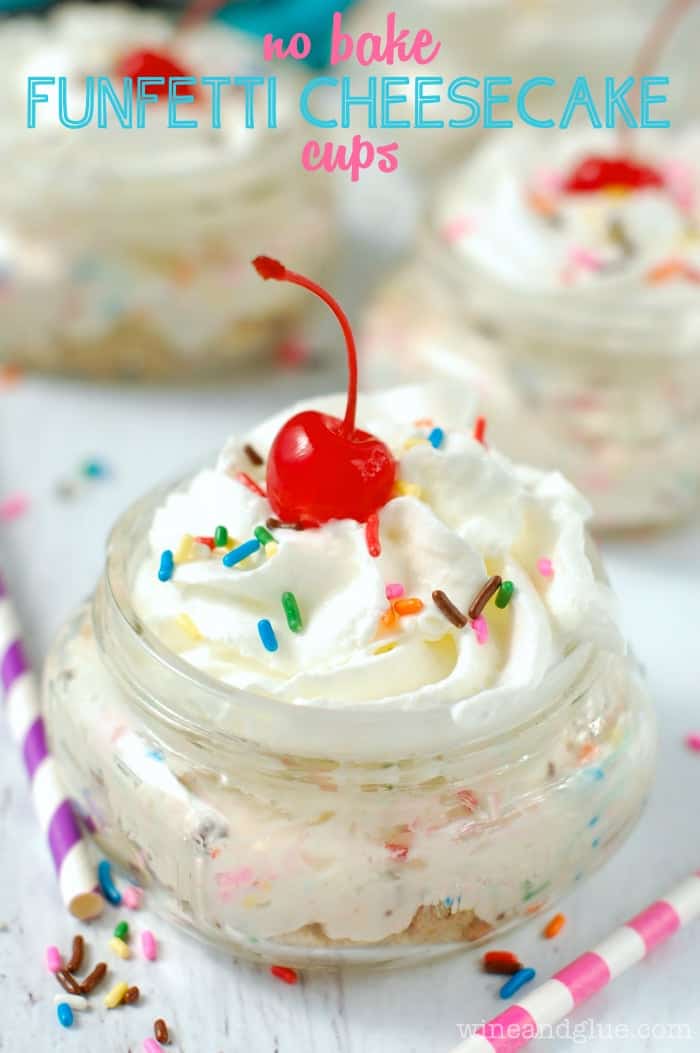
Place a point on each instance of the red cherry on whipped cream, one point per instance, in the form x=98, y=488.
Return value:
x=320, y=467
x=147, y=63
x=599, y=173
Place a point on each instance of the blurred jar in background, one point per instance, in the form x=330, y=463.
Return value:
x=125, y=252
x=571, y=287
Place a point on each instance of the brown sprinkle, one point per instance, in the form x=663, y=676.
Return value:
x=96, y=977
x=131, y=996
x=272, y=523
x=68, y=982
x=484, y=595
x=253, y=455
x=447, y=607
x=76, y=957
x=160, y=1030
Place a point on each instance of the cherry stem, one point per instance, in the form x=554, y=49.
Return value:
x=268, y=268
x=652, y=46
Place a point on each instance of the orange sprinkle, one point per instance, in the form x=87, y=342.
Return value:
x=410, y=605
x=424, y=422
x=554, y=927
x=388, y=619
x=541, y=203
x=665, y=271
x=9, y=375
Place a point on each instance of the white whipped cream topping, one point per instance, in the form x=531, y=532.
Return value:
x=479, y=515
x=571, y=243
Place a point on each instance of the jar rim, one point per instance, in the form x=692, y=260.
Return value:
x=311, y=729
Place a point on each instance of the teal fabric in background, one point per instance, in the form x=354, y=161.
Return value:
x=283, y=18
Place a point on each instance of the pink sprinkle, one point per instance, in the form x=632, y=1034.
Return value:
x=549, y=181
x=583, y=257
x=457, y=228
x=151, y=1046
x=693, y=743
x=132, y=897
x=468, y=798
x=545, y=567
x=53, y=959
x=481, y=629
x=394, y=591
x=148, y=945
x=13, y=506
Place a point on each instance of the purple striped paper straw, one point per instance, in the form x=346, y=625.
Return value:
x=18, y=690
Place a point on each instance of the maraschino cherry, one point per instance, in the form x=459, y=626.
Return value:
x=600, y=173
x=320, y=467
x=148, y=63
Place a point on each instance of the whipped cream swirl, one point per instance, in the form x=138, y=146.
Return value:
x=508, y=216
x=465, y=513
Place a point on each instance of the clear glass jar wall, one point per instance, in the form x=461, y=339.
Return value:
x=611, y=398
x=261, y=828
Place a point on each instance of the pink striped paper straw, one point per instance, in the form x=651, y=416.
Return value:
x=575, y=983
x=18, y=689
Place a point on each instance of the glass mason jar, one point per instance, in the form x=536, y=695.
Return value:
x=599, y=382
x=313, y=835
x=125, y=252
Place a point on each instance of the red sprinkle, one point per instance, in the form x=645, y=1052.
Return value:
x=208, y=541
x=245, y=479
x=374, y=545
x=480, y=429
x=287, y=976
x=502, y=963
x=396, y=851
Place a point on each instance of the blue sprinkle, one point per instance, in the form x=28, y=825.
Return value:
x=236, y=555
x=155, y=754
x=267, y=635
x=594, y=821
x=436, y=437
x=109, y=890
x=595, y=842
x=64, y=1014
x=516, y=981
x=448, y=901
x=94, y=469
x=167, y=564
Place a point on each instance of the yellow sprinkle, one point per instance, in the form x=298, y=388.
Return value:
x=384, y=649
x=119, y=947
x=417, y=440
x=404, y=489
x=616, y=190
x=271, y=549
x=188, y=626
x=116, y=995
x=184, y=549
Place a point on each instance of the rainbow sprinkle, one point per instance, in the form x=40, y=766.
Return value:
x=220, y=536
x=188, y=626
x=480, y=429
x=184, y=549
x=374, y=545
x=481, y=629
x=436, y=438
x=167, y=564
x=263, y=535
x=237, y=555
x=404, y=489
x=291, y=611
x=245, y=480
x=394, y=591
x=267, y=635
x=505, y=594
x=410, y=605
x=545, y=567
x=693, y=742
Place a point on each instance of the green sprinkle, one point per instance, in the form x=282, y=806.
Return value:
x=291, y=610
x=220, y=536
x=121, y=931
x=505, y=594
x=263, y=535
